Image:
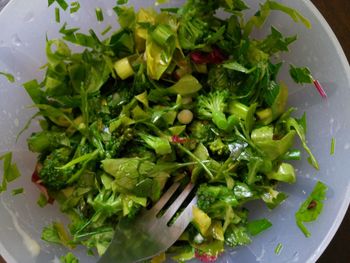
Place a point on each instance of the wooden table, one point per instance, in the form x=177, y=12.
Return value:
x=336, y=14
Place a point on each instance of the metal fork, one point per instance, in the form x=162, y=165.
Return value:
x=149, y=235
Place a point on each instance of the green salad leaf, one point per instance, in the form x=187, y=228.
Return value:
x=311, y=208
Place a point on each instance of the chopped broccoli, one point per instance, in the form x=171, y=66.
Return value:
x=203, y=131
x=47, y=140
x=211, y=199
x=114, y=146
x=50, y=174
x=212, y=106
x=218, y=147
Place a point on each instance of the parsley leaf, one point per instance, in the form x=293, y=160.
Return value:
x=300, y=74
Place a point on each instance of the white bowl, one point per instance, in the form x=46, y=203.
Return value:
x=25, y=25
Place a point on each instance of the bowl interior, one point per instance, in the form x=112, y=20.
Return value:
x=22, y=47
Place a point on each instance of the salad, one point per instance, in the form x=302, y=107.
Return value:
x=179, y=95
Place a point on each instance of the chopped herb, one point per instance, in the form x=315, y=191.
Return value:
x=62, y=3
x=10, y=171
x=257, y=226
x=69, y=258
x=17, y=191
x=9, y=76
x=57, y=15
x=320, y=89
x=42, y=200
x=300, y=74
x=106, y=30
x=332, y=146
x=74, y=7
x=278, y=248
x=311, y=208
x=122, y=2
x=99, y=14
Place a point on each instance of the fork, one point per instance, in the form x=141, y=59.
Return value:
x=149, y=235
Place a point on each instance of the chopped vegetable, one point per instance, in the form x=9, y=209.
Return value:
x=57, y=15
x=278, y=248
x=62, y=3
x=177, y=95
x=74, y=7
x=69, y=258
x=332, y=151
x=311, y=208
x=17, y=191
x=257, y=226
x=10, y=171
x=9, y=76
x=99, y=14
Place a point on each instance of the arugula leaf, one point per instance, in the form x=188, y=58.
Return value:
x=260, y=17
x=273, y=198
x=234, y=65
x=237, y=235
x=293, y=123
x=160, y=145
x=74, y=7
x=17, y=191
x=311, y=208
x=257, y=226
x=10, y=171
x=122, y=2
x=42, y=200
x=9, y=76
x=69, y=258
x=62, y=3
x=300, y=74
x=275, y=42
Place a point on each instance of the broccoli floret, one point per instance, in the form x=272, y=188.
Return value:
x=114, y=146
x=51, y=176
x=203, y=131
x=219, y=148
x=47, y=141
x=220, y=78
x=213, y=199
x=212, y=106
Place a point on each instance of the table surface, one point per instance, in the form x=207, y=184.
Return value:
x=336, y=14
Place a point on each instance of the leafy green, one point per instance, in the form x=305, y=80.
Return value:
x=237, y=235
x=10, y=171
x=311, y=208
x=99, y=14
x=17, y=191
x=62, y=3
x=74, y=7
x=257, y=226
x=69, y=258
x=9, y=76
x=301, y=74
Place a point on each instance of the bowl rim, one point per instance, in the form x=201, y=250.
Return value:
x=345, y=64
